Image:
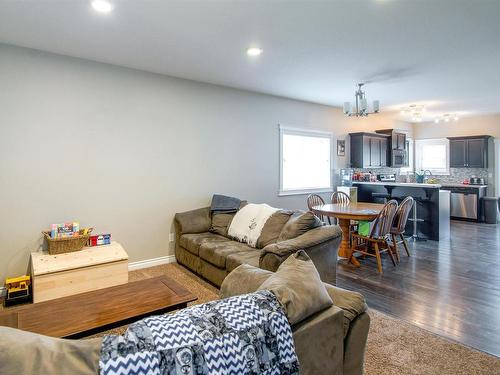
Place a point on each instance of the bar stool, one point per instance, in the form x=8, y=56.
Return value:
x=384, y=197
x=415, y=219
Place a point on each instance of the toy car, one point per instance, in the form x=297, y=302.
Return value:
x=18, y=290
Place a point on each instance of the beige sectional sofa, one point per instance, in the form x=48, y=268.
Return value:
x=202, y=243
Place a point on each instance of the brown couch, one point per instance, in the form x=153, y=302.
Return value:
x=331, y=341
x=203, y=246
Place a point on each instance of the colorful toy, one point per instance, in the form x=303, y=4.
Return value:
x=18, y=290
x=100, y=239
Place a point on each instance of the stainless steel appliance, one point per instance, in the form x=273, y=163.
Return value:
x=466, y=201
x=464, y=204
x=476, y=181
x=398, y=158
x=386, y=177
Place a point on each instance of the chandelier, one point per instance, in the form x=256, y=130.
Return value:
x=415, y=111
x=361, y=106
x=447, y=117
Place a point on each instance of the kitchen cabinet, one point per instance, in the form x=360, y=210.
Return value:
x=400, y=141
x=368, y=150
x=397, y=150
x=469, y=152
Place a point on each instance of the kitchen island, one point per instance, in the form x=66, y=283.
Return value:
x=433, y=204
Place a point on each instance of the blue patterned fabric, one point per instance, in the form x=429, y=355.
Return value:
x=247, y=334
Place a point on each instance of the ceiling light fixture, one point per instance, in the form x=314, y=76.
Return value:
x=447, y=117
x=102, y=6
x=254, y=51
x=361, y=104
x=415, y=111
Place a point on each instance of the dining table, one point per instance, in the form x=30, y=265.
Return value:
x=344, y=213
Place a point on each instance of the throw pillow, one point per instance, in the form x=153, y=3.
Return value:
x=299, y=223
x=272, y=228
x=298, y=287
x=222, y=221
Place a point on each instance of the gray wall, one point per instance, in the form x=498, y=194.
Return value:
x=123, y=150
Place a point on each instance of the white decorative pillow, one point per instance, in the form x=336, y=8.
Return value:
x=248, y=222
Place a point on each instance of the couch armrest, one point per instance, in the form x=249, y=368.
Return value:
x=194, y=221
x=312, y=237
x=319, y=342
x=352, y=303
x=355, y=345
x=321, y=244
x=243, y=279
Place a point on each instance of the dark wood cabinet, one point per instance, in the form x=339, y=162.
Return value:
x=476, y=153
x=397, y=149
x=368, y=150
x=469, y=152
x=400, y=141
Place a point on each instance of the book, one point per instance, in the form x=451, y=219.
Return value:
x=64, y=230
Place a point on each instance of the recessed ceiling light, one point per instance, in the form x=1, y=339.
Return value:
x=102, y=6
x=254, y=51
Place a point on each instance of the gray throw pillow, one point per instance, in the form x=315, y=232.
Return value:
x=298, y=287
x=299, y=223
x=222, y=221
x=272, y=228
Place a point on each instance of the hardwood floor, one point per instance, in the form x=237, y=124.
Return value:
x=450, y=287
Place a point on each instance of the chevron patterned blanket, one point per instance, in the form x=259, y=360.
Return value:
x=247, y=334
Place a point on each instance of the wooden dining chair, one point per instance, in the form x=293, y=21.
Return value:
x=339, y=197
x=316, y=200
x=378, y=239
x=399, y=224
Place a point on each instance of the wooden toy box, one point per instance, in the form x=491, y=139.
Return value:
x=92, y=268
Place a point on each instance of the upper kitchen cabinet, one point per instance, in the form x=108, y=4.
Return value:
x=469, y=152
x=369, y=150
x=397, y=153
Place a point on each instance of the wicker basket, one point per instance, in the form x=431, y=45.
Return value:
x=66, y=244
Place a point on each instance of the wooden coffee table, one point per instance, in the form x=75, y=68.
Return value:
x=92, y=312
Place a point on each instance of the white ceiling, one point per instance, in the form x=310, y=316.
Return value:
x=445, y=53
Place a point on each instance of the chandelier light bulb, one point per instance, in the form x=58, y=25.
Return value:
x=360, y=105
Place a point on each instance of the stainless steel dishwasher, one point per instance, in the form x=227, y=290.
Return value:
x=464, y=205
x=465, y=201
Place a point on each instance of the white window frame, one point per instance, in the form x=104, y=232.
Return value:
x=435, y=141
x=310, y=133
x=411, y=160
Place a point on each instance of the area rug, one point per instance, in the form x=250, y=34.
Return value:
x=394, y=346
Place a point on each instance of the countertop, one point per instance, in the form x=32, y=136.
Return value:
x=464, y=185
x=404, y=184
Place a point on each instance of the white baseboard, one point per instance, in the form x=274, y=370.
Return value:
x=151, y=262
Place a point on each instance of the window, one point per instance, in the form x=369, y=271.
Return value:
x=305, y=161
x=432, y=154
x=410, y=161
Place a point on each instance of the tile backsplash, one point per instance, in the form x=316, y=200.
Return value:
x=456, y=176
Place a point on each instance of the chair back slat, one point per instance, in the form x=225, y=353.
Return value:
x=383, y=223
x=402, y=214
x=339, y=197
x=315, y=200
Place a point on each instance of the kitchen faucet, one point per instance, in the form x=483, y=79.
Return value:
x=425, y=173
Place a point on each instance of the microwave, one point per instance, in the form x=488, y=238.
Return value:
x=398, y=158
